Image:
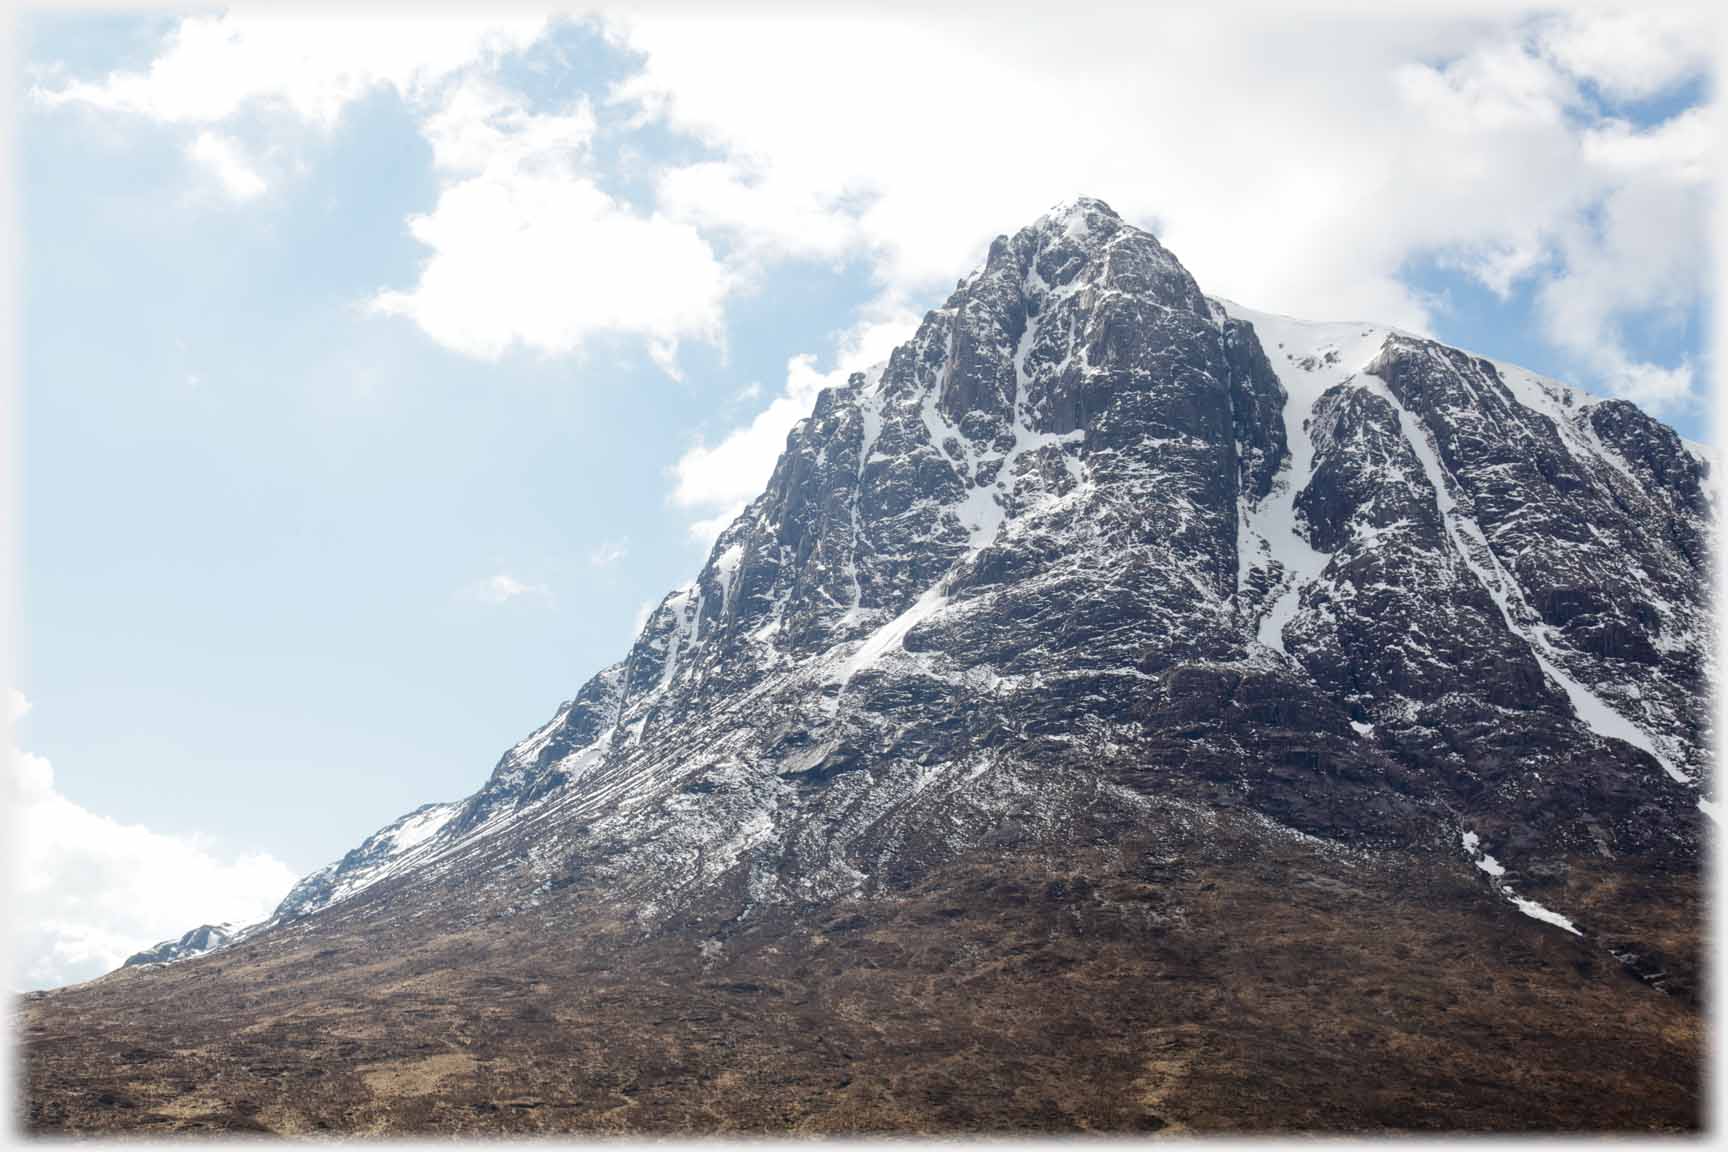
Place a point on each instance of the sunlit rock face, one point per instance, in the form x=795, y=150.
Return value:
x=1092, y=543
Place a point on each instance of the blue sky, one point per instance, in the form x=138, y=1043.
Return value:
x=278, y=502
x=323, y=509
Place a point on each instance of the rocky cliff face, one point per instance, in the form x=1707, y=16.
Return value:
x=1093, y=554
x=1094, y=540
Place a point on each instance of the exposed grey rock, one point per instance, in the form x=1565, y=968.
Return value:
x=1091, y=543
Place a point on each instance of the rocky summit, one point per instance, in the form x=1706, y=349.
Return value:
x=1122, y=711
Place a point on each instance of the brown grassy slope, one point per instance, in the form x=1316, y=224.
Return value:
x=1219, y=980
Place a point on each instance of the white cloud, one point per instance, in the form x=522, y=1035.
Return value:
x=528, y=251
x=1622, y=233
x=483, y=127
x=525, y=248
x=542, y=258
x=308, y=64
x=1679, y=150
x=707, y=529
x=1293, y=162
x=1638, y=255
x=608, y=552
x=88, y=891
x=769, y=218
x=919, y=173
x=1632, y=54
x=503, y=587
x=223, y=158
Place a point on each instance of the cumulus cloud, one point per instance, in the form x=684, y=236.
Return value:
x=542, y=258
x=1638, y=254
x=721, y=478
x=764, y=218
x=1621, y=231
x=481, y=126
x=989, y=122
x=1293, y=162
x=1632, y=54
x=525, y=249
x=88, y=890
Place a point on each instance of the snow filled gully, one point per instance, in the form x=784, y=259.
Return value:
x=1308, y=358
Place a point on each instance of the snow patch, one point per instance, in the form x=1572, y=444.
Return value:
x=420, y=827
x=890, y=636
x=1537, y=912
x=726, y=569
x=1495, y=870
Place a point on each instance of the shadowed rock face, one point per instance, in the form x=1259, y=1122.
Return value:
x=1094, y=561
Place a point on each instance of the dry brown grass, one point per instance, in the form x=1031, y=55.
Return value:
x=1260, y=985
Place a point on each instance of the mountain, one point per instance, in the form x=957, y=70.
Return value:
x=1121, y=710
x=205, y=938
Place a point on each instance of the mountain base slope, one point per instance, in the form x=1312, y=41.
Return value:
x=1202, y=974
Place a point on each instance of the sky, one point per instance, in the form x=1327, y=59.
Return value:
x=378, y=371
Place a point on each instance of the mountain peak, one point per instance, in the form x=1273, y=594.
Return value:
x=1114, y=624
x=1081, y=471
x=1080, y=214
